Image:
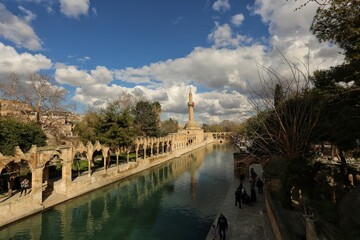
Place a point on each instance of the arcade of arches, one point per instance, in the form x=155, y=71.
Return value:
x=145, y=152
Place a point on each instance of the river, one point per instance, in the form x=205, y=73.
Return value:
x=175, y=200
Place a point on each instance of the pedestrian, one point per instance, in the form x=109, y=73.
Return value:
x=244, y=196
x=222, y=226
x=238, y=197
x=24, y=186
x=260, y=185
x=213, y=232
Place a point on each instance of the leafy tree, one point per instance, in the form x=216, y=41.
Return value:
x=147, y=118
x=169, y=126
x=338, y=21
x=116, y=126
x=87, y=129
x=341, y=122
x=24, y=135
x=112, y=126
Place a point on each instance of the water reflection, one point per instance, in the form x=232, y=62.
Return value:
x=176, y=200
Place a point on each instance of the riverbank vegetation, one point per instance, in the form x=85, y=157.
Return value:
x=299, y=114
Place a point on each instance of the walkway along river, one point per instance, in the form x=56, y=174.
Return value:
x=175, y=200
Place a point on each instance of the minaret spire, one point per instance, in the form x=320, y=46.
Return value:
x=191, y=106
x=191, y=124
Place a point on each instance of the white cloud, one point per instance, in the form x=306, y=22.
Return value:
x=221, y=5
x=81, y=59
x=29, y=16
x=17, y=30
x=237, y=19
x=74, y=8
x=12, y=61
x=223, y=36
x=72, y=76
x=102, y=75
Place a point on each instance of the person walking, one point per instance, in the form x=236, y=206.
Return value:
x=222, y=225
x=260, y=185
x=213, y=232
x=24, y=186
x=238, y=197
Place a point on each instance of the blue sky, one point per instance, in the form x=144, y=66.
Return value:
x=101, y=51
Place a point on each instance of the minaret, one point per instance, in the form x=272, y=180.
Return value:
x=191, y=124
x=191, y=107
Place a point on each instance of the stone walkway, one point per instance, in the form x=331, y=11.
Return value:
x=247, y=223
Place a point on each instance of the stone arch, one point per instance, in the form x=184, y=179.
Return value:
x=12, y=172
x=97, y=160
x=78, y=163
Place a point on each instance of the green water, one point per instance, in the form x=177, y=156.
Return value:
x=176, y=200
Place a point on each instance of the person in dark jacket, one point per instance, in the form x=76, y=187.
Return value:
x=238, y=197
x=260, y=185
x=222, y=225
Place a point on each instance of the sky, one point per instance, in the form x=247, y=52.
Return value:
x=102, y=50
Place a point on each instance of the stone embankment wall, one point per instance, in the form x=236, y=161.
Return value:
x=277, y=225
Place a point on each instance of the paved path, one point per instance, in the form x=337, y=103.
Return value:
x=247, y=223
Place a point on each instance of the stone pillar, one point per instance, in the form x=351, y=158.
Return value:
x=67, y=158
x=89, y=158
x=66, y=175
x=151, y=150
x=136, y=153
x=106, y=155
x=144, y=148
x=36, y=185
